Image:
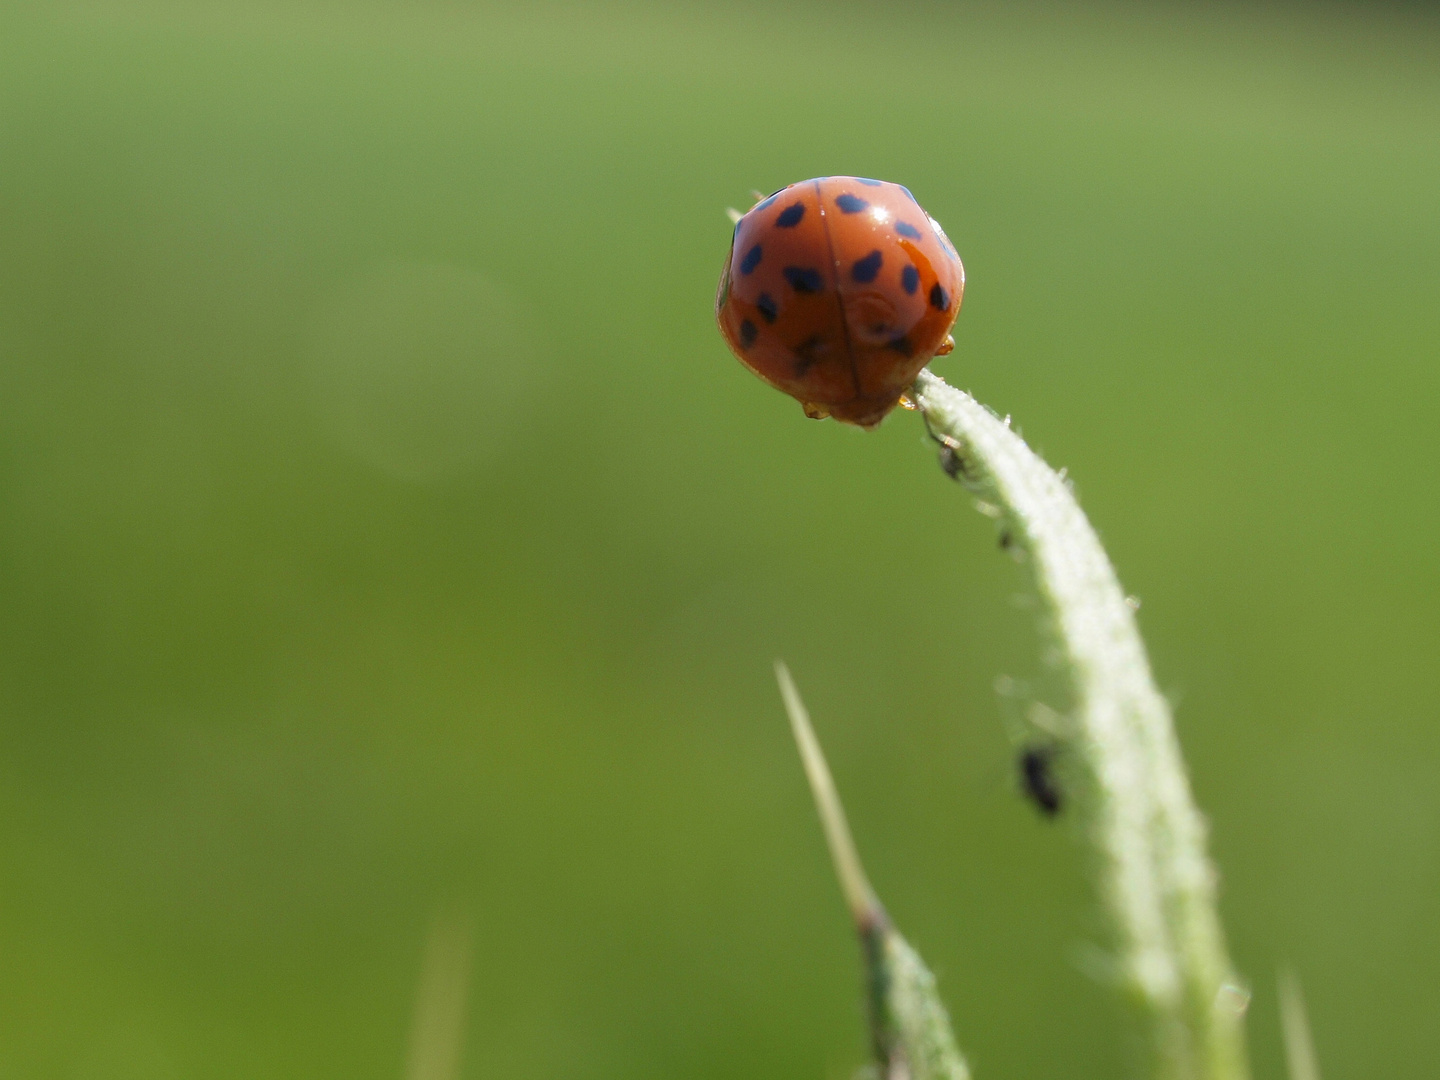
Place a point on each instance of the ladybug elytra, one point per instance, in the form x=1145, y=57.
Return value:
x=838, y=291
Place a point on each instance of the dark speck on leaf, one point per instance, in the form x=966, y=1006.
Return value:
x=1038, y=779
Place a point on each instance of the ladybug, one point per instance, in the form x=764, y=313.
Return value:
x=838, y=291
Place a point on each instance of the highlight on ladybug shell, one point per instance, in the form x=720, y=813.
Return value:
x=838, y=290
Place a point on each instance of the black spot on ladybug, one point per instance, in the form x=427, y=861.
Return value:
x=1038, y=779
x=766, y=306
x=747, y=333
x=910, y=279
x=868, y=182
x=807, y=354
x=865, y=269
x=901, y=345
x=791, y=215
x=939, y=298
x=904, y=228
x=803, y=279
x=850, y=204
x=751, y=260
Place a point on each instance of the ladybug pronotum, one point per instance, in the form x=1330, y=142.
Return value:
x=838, y=291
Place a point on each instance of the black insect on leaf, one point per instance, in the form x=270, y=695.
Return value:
x=1037, y=778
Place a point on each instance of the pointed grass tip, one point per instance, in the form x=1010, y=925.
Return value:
x=1295, y=1027
x=859, y=897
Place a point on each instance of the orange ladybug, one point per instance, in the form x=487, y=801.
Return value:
x=838, y=291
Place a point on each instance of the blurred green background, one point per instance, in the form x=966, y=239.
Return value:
x=385, y=530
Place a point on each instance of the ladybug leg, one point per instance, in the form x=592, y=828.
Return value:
x=735, y=215
x=946, y=347
x=814, y=411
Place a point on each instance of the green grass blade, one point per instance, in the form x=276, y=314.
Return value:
x=859, y=897
x=1156, y=881
x=909, y=1028
x=1295, y=1027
